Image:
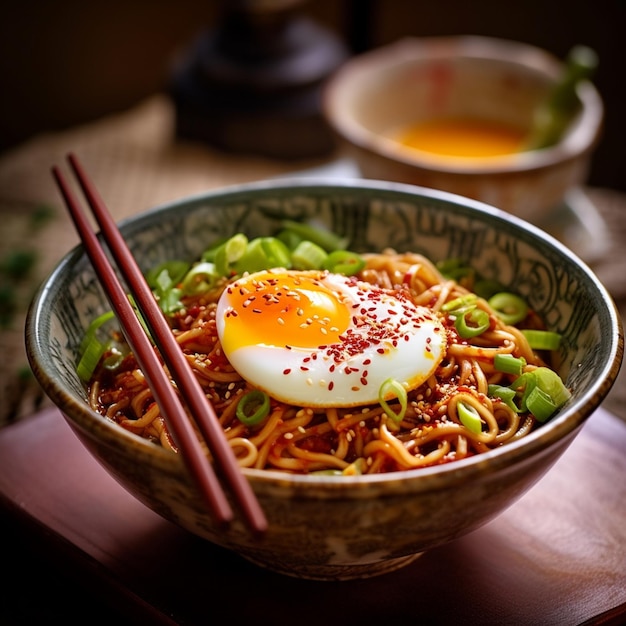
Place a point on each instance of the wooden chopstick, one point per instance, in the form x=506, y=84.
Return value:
x=180, y=370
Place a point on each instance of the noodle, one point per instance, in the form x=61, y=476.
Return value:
x=356, y=439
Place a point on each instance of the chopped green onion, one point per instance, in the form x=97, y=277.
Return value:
x=506, y=394
x=91, y=348
x=550, y=382
x=263, y=253
x=542, y=339
x=472, y=323
x=393, y=388
x=546, y=380
x=167, y=293
x=93, y=328
x=228, y=253
x=462, y=303
x=253, y=408
x=540, y=404
x=290, y=239
x=469, y=417
x=455, y=269
x=200, y=278
x=175, y=270
x=324, y=238
x=343, y=262
x=308, y=256
x=509, y=307
x=509, y=364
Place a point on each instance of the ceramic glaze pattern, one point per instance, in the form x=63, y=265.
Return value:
x=359, y=526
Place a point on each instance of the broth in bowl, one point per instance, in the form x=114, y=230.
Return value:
x=463, y=137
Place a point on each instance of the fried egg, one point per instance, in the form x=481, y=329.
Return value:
x=319, y=339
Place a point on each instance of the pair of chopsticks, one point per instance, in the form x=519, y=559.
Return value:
x=169, y=402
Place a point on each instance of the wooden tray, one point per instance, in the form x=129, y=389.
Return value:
x=74, y=536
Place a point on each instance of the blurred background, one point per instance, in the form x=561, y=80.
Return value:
x=67, y=62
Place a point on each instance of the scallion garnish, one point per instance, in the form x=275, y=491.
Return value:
x=472, y=323
x=469, y=417
x=167, y=292
x=91, y=348
x=343, y=262
x=509, y=364
x=509, y=307
x=200, y=278
x=175, y=270
x=462, y=303
x=326, y=239
x=505, y=394
x=263, y=253
x=253, y=407
x=550, y=383
x=542, y=339
x=308, y=256
x=393, y=388
x=540, y=404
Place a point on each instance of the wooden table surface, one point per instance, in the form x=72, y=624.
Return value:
x=555, y=557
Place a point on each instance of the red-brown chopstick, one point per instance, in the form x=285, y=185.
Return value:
x=199, y=405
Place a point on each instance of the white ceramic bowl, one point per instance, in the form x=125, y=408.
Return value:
x=376, y=94
x=359, y=526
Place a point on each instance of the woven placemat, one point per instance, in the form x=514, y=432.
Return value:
x=137, y=164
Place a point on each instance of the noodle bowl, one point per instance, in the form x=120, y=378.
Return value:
x=351, y=526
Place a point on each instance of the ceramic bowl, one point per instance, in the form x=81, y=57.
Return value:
x=360, y=526
x=376, y=94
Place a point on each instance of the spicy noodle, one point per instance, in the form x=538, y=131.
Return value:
x=435, y=423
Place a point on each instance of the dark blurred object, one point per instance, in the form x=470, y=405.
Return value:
x=253, y=83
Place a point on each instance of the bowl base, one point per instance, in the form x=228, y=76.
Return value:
x=335, y=572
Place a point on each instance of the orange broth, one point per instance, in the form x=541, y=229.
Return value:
x=463, y=137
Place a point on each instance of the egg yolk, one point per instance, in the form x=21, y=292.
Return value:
x=279, y=309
